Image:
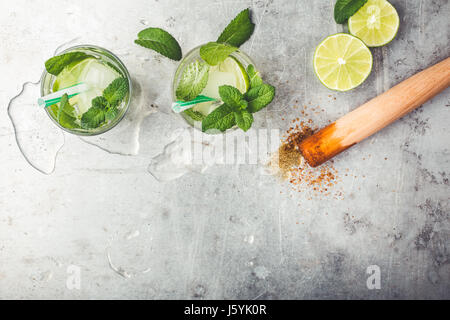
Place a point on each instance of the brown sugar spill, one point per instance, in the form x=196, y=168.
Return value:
x=290, y=165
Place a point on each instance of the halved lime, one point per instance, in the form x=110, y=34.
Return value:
x=342, y=62
x=376, y=23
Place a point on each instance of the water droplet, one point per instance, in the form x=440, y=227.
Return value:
x=181, y=156
x=129, y=253
x=261, y=272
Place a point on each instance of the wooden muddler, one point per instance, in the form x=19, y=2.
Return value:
x=375, y=114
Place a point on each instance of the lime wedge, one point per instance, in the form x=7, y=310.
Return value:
x=342, y=62
x=70, y=75
x=376, y=23
x=232, y=65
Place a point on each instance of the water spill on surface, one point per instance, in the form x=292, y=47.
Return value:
x=38, y=139
x=175, y=160
x=129, y=253
x=189, y=151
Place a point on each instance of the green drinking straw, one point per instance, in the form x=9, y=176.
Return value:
x=55, y=97
x=180, y=106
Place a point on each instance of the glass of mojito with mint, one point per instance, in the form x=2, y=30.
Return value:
x=232, y=73
x=105, y=96
x=216, y=86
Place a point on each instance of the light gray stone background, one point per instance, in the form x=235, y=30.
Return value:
x=229, y=232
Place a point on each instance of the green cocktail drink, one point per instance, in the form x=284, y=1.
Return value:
x=105, y=98
x=216, y=86
x=230, y=72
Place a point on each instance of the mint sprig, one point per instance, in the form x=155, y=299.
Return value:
x=221, y=119
x=57, y=64
x=92, y=118
x=344, y=9
x=238, y=108
x=105, y=107
x=232, y=97
x=233, y=36
x=100, y=102
x=160, y=41
x=111, y=113
x=239, y=30
x=214, y=53
x=116, y=91
x=193, y=80
x=244, y=119
x=254, y=76
x=66, y=113
x=259, y=97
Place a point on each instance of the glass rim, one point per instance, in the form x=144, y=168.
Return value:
x=130, y=90
x=241, y=55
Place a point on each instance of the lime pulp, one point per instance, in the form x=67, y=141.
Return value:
x=376, y=23
x=342, y=62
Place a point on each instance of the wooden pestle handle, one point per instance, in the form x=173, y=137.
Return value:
x=376, y=114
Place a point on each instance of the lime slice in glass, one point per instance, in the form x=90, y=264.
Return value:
x=70, y=75
x=230, y=72
x=90, y=71
x=232, y=65
x=376, y=23
x=342, y=62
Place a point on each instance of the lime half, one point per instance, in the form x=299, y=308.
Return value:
x=342, y=62
x=376, y=23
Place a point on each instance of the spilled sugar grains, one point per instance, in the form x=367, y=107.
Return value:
x=289, y=164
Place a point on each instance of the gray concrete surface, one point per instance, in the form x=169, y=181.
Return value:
x=229, y=232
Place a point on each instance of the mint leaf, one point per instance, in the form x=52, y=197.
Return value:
x=344, y=9
x=214, y=53
x=100, y=102
x=160, y=41
x=244, y=119
x=193, y=80
x=92, y=118
x=68, y=122
x=239, y=30
x=111, y=114
x=116, y=91
x=66, y=113
x=57, y=64
x=221, y=118
x=254, y=76
x=65, y=107
x=260, y=97
x=194, y=115
x=231, y=96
